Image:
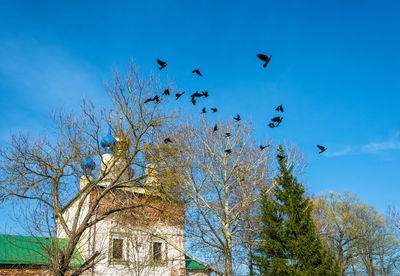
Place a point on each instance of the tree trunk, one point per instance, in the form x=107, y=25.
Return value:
x=340, y=260
x=228, y=263
x=250, y=260
x=371, y=264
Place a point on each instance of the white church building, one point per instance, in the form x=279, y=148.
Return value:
x=129, y=246
x=126, y=245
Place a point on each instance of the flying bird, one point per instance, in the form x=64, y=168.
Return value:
x=197, y=71
x=167, y=140
x=215, y=128
x=263, y=147
x=271, y=125
x=203, y=111
x=279, y=108
x=228, y=134
x=178, y=95
x=228, y=151
x=280, y=157
x=205, y=94
x=196, y=94
x=155, y=98
x=237, y=118
x=214, y=110
x=148, y=100
x=277, y=120
x=193, y=100
x=166, y=92
x=162, y=64
x=264, y=58
x=322, y=148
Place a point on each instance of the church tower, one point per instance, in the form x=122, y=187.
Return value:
x=147, y=240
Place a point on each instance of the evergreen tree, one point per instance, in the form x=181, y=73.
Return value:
x=290, y=244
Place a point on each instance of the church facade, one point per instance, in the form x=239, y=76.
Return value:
x=146, y=241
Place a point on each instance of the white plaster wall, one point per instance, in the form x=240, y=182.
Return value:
x=139, y=252
x=69, y=216
x=138, y=243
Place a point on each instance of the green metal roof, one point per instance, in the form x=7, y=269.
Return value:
x=31, y=250
x=193, y=265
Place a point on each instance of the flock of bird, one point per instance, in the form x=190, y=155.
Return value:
x=275, y=122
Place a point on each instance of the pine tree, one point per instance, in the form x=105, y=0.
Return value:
x=290, y=244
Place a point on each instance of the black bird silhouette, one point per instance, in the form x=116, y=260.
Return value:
x=264, y=58
x=237, y=118
x=155, y=98
x=162, y=64
x=196, y=94
x=214, y=110
x=197, y=71
x=271, y=125
x=280, y=157
x=205, y=94
x=178, y=95
x=167, y=140
x=228, y=151
x=279, y=108
x=215, y=128
x=203, y=111
x=277, y=120
x=193, y=100
x=263, y=147
x=228, y=134
x=322, y=148
x=166, y=92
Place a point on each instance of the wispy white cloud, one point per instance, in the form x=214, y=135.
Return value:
x=346, y=151
x=392, y=143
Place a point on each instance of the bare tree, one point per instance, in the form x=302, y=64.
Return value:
x=356, y=234
x=339, y=219
x=221, y=176
x=378, y=245
x=393, y=216
x=46, y=170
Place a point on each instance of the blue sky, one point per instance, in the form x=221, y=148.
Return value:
x=334, y=67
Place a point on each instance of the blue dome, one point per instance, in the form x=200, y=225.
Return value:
x=108, y=142
x=88, y=164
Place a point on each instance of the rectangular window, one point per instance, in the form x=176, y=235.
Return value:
x=157, y=251
x=117, y=249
